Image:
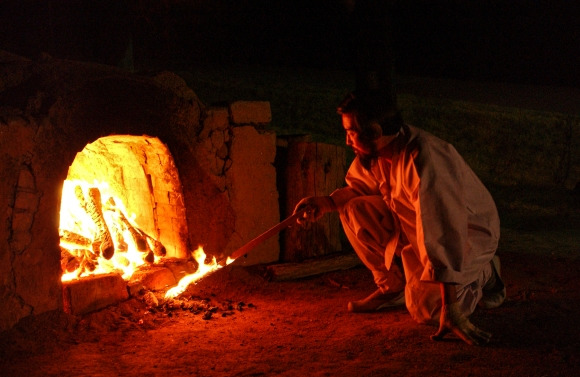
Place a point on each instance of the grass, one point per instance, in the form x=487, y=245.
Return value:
x=528, y=159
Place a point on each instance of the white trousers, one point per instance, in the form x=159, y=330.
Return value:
x=368, y=225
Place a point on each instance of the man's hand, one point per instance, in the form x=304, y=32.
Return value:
x=315, y=207
x=453, y=320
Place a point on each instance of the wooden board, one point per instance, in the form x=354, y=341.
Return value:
x=316, y=266
x=310, y=169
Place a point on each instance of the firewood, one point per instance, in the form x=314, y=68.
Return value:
x=81, y=197
x=69, y=261
x=103, y=242
x=143, y=241
x=74, y=239
x=150, y=257
x=88, y=263
x=94, y=207
x=79, y=260
x=117, y=235
x=157, y=247
x=316, y=266
x=137, y=236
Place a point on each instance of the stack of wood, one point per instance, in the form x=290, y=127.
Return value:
x=82, y=254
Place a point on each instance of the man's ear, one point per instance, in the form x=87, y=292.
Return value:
x=374, y=131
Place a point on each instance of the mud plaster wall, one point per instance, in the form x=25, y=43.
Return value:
x=50, y=109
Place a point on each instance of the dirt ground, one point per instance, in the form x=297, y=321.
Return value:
x=236, y=322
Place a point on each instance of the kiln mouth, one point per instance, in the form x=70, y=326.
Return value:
x=122, y=207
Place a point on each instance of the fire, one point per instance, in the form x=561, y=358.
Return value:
x=97, y=235
x=203, y=269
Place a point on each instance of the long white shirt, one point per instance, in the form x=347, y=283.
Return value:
x=443, y=213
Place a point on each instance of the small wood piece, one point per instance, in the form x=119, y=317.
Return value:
x=317, y=266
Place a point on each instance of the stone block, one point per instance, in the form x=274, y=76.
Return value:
x=26, y=180
x=217, y=118
x=251, y=112
x=253, y=192
x=217, y=139
x=22, y=221
x=93, y=293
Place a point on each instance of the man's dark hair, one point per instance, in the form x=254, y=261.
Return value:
x=371, y=108
x=373, y=116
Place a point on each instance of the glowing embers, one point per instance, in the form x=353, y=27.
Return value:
x=203, y=269
x=97, y=236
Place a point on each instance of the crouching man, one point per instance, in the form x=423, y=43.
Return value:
x=419, y=218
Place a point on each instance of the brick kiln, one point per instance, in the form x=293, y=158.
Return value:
x=141, y=159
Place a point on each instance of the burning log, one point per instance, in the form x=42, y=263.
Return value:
x=117, y=234
x=157, y=247
x=143, y=241
x=137, y=236
x=74, y=239
x=150, y=257
x=106, y=246
x=88, y=262
x=68, y=261
x=93, y=207
x=79, y=260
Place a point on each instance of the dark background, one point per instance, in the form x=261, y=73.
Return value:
x=517, y=41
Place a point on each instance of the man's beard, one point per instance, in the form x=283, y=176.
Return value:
x=367, y=159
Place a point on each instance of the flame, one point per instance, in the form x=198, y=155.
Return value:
x=73, y=218
x=203, y=269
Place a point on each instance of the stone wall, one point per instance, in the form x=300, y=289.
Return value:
x=241, y=160
x=51, y=109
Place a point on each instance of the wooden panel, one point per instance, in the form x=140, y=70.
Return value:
x=311, y=169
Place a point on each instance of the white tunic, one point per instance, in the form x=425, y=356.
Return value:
x=446, y=225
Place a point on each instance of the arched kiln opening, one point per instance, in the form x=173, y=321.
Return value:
x=122, y=207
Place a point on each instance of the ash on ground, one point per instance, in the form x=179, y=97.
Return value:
x=206, y=307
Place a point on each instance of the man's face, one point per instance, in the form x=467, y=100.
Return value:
x=352, y=137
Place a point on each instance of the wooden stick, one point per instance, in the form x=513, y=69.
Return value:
x=267, y=234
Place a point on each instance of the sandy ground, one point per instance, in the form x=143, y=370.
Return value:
x=236, y=322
